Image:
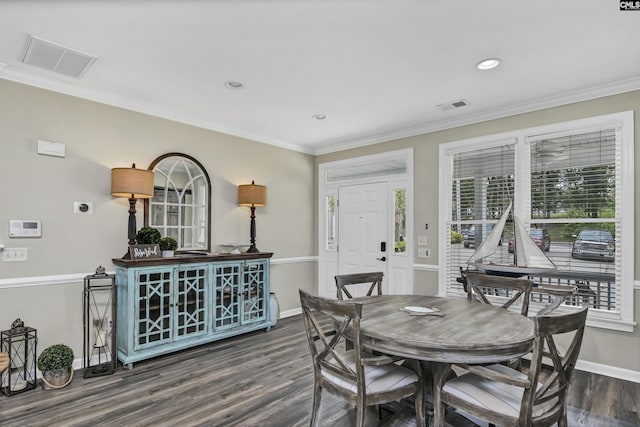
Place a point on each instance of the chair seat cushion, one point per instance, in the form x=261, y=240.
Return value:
x=378, y=379
x=496, y=396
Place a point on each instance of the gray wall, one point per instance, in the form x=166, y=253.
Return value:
x=615, y=349
x=98, y=138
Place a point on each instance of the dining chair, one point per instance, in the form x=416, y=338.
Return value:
x=481, y=286
x=529, y=397
x=354, y=375
x=372, y=279
x=557, y=295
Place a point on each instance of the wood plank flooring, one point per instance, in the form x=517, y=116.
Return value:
x=258, y=379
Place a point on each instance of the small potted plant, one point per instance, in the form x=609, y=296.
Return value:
x=56, y=363
x=168, y=245
x=148, y=236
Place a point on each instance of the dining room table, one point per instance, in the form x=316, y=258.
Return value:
x=442, y=331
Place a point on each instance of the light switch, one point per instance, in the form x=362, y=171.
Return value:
x=422, y=240
x=14, y=254
x=424, y=253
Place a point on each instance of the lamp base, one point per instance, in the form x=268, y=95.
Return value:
x=252, y=249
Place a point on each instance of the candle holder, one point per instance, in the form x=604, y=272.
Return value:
x=19, y=343
x=99, y=322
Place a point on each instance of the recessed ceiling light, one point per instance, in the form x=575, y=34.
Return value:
x=319, y=116
x=231, y=84
x=488, y=64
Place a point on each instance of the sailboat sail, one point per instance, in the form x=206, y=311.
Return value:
x=492, y=241
x=529, y=258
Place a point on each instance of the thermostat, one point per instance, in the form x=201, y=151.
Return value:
x=24, y=228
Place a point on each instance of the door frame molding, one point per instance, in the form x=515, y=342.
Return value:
x=327, y=258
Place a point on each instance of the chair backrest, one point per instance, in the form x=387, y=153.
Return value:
x=559, y=293
x=480, y=285
x=373, y=279
x=326, y=322
x=552, y=391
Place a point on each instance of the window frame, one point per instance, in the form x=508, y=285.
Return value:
x=625, y=239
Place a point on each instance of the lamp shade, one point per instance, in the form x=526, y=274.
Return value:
x=132, y=183
x=252, y=195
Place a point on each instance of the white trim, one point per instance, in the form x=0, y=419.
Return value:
x=16, y=75
x=281, y=261
x=290, y=313
x=624, y=122
x=394, y=182
x=608, y=370
x=611, y=324
x=636, y=284
x=60, y=279
x=426, y=267
x=498, y=113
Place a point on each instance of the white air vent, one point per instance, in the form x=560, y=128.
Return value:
x=451, y=105
x=55, y=57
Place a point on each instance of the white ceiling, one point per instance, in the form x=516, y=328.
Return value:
x=376, y=68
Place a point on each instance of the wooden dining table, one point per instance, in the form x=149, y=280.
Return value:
x=459, y=331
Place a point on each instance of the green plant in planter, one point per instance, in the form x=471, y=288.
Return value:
x=55, y=357
x=168, y=244
x=148, y=236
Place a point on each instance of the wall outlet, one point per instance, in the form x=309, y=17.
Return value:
x=424, y=253
x=14, y=254
x=422, y=240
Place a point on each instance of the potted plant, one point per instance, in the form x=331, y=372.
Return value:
x=56, y=363
x=168, y=245
x=148, y=236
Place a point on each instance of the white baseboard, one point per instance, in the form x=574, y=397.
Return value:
x=609, y=371
x=289, y=313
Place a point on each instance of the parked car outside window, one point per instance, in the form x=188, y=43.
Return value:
x=469, y=236
x=594, y=244
x=540, y=236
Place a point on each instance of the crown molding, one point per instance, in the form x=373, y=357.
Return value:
x=497, y=113
x=68, y=88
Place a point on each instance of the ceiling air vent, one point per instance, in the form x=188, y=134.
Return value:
x=451, y=105
x=55, y=57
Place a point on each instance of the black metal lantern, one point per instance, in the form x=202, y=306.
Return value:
x=19, y=343
x=99, y=321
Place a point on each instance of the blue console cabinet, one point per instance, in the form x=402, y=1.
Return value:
x=169, y=304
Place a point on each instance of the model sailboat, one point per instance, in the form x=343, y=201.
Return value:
x=528, y=257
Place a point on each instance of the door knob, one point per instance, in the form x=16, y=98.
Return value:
x=384, y=258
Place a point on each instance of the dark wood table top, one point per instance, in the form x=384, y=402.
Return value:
x=468, y=332
x=4, y=362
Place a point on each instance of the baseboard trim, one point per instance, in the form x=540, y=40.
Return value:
x=608, y=370
x=290, y=313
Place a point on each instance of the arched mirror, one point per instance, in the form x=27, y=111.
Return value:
x=181, y=203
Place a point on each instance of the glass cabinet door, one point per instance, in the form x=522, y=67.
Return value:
x=153, y=299
x=190, y=307
x=254, y=299
x=228, y=280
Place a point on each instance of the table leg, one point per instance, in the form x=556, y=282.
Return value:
x=440, y=373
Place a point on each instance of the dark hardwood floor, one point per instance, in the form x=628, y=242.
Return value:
x=258, y=379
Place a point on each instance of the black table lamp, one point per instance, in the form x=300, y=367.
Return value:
x=252, y=195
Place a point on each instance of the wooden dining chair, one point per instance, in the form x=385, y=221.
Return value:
x=485, y=288
x=354, y=375
x=371, y=279
x=557, y=295
x=505, y=396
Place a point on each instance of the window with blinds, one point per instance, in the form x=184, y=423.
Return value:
x=567, y=189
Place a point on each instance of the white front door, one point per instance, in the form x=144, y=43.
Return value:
x=363, y=227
